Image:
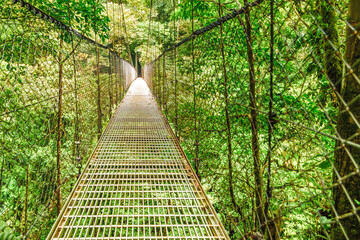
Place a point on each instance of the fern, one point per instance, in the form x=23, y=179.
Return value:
x=6, y=233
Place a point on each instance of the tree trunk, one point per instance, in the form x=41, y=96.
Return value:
x=126, y=35
x=254, y=128
x=228, y=128
x=136, y=62
x=347, y=127
x=332, y=61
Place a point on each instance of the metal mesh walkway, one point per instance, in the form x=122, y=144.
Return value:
x=138, y=183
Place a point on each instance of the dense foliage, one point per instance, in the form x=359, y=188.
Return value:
x=40, y=62
x=215, y=90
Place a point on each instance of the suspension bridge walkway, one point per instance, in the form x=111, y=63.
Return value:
x=138, y=183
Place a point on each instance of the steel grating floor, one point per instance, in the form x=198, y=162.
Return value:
x=138, y=183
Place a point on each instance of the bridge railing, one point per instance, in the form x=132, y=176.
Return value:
x=58, y=89
x=266, y=105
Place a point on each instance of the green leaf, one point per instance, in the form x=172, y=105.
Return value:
x=325, y=164
x=325, y=222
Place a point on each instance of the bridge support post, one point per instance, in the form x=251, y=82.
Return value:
x=175, y=93
x=116, y=83
x=196, y=130
x=98, y=90
x=347, y=158
x=164, y=84
x=110, y=86
x=160, y=83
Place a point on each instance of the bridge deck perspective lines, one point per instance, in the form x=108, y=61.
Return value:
x=138, y=183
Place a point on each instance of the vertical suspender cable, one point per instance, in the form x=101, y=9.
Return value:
x=159, y=66
x=58, y=145
x=98, y=88
x=270, y=121
x=99, y=113
x=164, y=71
x=175, y=87
x=110, y=85
x=164, y=83
x=196, y=143
x=149, y=32
x=76, y=135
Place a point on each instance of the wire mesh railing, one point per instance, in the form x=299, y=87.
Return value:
x=58, y=90
x=138, y=183
x=266, y=106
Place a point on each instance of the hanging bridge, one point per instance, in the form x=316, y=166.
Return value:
x=182, y=119
x=138, y=183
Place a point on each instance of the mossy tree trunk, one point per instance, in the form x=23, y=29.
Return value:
x=347, y=158
x=260, y=216
x=332, y=62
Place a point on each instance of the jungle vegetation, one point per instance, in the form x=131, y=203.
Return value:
x=266, y=108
